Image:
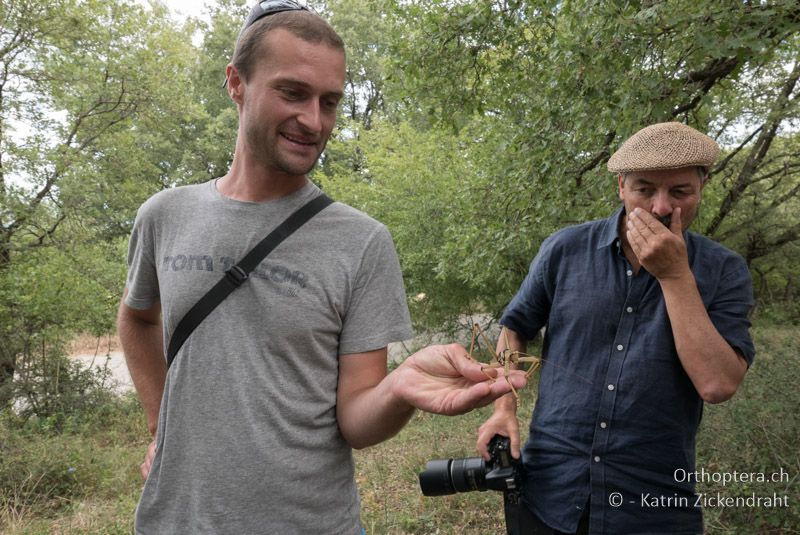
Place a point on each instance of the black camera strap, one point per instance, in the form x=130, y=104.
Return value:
x=238, y=274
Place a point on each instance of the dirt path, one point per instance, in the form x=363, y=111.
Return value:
x=102, y=352
x=115, y=362
x=105, y=351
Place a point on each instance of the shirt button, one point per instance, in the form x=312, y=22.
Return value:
x=629, y=309
x=629, y=272
x=603, y=425
x=597, y=458
x=611, y=387
x=619, y=347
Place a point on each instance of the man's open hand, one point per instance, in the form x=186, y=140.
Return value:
x=445, y=380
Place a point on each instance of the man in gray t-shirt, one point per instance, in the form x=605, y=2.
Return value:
x=255, y=421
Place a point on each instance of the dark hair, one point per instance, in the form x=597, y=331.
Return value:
x=304, y=24
x=702, y=173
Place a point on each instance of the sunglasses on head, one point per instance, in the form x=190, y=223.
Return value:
x=270, y=7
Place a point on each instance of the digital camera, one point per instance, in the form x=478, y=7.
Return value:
x=448, y=476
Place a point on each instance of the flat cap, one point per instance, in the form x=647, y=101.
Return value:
x=664, y=146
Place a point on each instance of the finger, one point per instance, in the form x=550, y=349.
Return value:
x=635, y=232
x=636, y=241
x=509, y=429
x=512, y=432
x=650, y=224
x=515, y=445
x=637, y=221
x=484, y=437
x=518, y=378
x=477, y=395
x=482, y=445
x=466, y=367
x=503, y=387
x=675, y=225
x=144, y=468
x=482, y=394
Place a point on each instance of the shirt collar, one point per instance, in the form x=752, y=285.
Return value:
x=609, y=234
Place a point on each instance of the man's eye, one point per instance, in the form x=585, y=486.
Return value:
x=291, y=94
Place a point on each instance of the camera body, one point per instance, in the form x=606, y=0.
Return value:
x=448, y=476
x=502, y=472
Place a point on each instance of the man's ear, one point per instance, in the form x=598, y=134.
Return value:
x=621, y=182
x=235, y=85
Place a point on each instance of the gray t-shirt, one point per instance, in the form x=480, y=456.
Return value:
x=247, y=437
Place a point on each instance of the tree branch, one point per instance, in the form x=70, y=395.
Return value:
x=756, y=157
x=601, y=156
x=707, y=77
x=724, y=163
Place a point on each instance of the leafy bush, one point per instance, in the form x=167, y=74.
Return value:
x=54, y=391
x=46, y=471
x=757, y=432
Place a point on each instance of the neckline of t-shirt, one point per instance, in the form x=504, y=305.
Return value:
x=307, y=192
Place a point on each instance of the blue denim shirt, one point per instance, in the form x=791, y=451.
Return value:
x=616, y=414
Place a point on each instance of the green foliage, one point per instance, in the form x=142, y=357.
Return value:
x=210, y=134
x=757, y=432
x=53, y=391
x=366, y=34
x=534, y=97
x=100, y=107
x=415, y=203
x=754, y=432
x=92, y=459
x=45, y=297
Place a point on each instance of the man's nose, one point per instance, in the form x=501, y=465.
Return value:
x=661, y=204
x=310, y=117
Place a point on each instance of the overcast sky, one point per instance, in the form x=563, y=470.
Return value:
x=183, y=8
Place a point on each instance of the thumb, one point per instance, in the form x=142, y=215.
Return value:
x=675, y=226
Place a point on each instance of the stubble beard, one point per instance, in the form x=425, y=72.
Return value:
x=267, y=153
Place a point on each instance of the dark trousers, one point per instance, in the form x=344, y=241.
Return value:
x=529, y=524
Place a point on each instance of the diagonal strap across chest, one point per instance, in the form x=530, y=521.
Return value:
x=238, y=274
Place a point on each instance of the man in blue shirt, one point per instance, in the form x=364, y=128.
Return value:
x=644, y=321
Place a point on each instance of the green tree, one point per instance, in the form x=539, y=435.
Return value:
x=95, y=102
x=211, y=134
x=540, y=94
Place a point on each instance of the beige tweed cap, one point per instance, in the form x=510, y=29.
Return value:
x=664, y=146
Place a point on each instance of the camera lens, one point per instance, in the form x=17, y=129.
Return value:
x=435, y=480
x=448, y=476
x=468, y=474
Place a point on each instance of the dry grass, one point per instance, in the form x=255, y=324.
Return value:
x=387, y=475
x=755, y=431
x=89, y=344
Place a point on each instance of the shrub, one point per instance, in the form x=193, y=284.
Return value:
x=46, y=470
x=756, y=432
x=54, y=391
